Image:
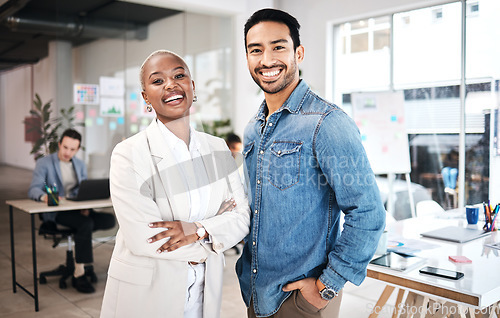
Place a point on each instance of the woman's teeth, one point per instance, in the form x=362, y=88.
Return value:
x=171, y=98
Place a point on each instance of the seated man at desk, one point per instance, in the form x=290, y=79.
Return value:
x=65, y=172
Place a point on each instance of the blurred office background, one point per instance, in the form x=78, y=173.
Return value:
x=442, y=56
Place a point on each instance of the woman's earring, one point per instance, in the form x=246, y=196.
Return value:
x=149, y=108
x=195, y=98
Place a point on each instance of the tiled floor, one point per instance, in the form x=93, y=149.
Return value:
x=64, y=303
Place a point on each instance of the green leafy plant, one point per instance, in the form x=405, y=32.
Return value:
x=219, y=128
x=46, y=127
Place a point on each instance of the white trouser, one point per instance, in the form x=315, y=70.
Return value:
x=193, y=307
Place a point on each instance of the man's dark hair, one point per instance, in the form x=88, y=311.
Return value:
x=275, y=15
x=232, y=138
x=71, y=133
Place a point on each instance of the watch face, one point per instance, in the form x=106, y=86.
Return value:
x=327, y=294
x=200, y=232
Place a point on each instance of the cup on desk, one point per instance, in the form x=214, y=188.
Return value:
x=53, y=198
x=472, y=213
x=382, y=244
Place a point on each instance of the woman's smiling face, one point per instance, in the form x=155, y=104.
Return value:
x=168, y=86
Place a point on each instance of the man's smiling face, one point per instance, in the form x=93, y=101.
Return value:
x=271, y=58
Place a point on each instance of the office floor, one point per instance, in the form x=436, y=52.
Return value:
x=55, y=302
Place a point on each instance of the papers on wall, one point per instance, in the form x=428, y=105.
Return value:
x=112, y=96
x=85, y=94
x=380, y=119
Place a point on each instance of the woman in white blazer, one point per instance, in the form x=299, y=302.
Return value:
x=173, y=225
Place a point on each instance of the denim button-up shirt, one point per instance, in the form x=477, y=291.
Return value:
x=305, y=165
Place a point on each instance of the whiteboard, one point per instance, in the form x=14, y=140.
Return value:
x=381, y=122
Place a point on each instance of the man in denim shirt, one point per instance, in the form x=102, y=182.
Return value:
x=305, y=165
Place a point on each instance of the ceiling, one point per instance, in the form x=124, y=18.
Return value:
x=27, y=26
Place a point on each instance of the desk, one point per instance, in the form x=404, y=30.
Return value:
x=33, y=207
x=480, y=287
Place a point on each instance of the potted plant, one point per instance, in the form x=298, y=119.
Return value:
x=43, y=129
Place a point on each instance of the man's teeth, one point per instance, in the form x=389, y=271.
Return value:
x=269, y=74
x=171, y=98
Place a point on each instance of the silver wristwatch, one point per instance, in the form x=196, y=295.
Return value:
x=328, y=294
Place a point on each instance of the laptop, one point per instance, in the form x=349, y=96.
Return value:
x=92, y=189
x=455, y=234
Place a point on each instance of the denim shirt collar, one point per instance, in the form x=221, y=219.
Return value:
x=292, y=104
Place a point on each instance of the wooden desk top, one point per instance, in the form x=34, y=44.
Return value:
x=30, y=206
x=480, y=286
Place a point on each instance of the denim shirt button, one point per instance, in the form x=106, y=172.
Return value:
x=256, y=211
x=258, y=181
x=254, y=271
x=253, y=243
x=262, y=152
x=270, y=124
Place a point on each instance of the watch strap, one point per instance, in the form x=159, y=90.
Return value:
x=325, y=292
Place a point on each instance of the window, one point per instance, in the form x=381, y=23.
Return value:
x=359, y=43
x=437, y=15
x=420, y=53
x=426, y=69
x=472, y=9
x=365, y=45
x=405, y=20
x=381, y=39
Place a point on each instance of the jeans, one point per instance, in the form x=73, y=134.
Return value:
x=450, y=177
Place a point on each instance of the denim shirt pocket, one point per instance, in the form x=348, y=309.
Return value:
x=284, y=164
x=248, y=149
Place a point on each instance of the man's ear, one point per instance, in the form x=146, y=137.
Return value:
x=299, y=53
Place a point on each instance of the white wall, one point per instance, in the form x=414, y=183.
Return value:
x=17, y=89
x=15, y=99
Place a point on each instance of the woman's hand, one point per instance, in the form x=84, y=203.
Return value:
x=227, y=206
x=178, y=234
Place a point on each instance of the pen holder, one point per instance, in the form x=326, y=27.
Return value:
x=490, y=216
x=53, y=198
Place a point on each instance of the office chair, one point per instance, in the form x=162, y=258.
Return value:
x=51, y=230
x=428, y=208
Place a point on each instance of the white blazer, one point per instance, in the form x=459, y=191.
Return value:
x=146, y=187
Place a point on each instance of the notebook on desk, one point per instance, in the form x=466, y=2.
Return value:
x=455, y=234
x=92, y=189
